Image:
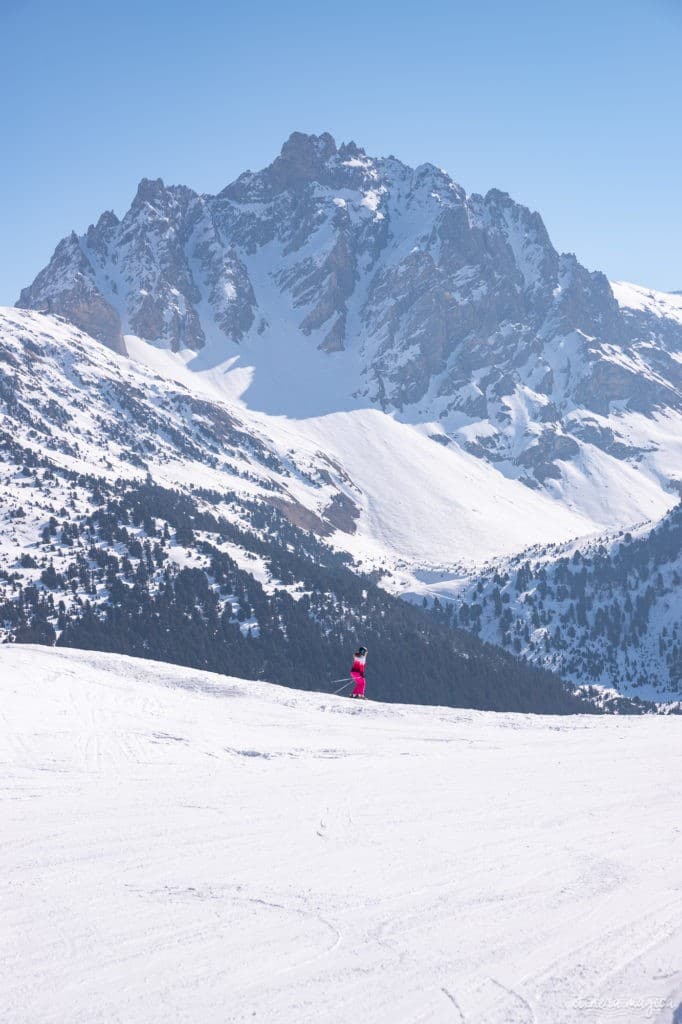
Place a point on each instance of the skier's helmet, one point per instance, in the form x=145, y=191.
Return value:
x=362, y=650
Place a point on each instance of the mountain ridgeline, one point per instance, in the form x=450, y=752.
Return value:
x=432, y=303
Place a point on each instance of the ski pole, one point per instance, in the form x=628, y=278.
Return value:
x=341, y=687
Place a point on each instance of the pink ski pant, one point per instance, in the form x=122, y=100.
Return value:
x=359, y=683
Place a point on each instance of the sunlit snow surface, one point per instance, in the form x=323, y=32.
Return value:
x=634, y=296
x=182, y=847
x=433, y=504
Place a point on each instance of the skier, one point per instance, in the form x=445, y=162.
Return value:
x=358, y=673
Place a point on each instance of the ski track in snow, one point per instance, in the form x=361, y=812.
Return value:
x=179, y=846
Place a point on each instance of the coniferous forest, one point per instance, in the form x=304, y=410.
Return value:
x=606, y=613
x=152, y=572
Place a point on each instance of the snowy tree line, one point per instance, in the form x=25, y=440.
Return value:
x=607, y=614
x=152, y=572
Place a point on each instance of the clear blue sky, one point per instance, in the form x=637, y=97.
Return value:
x=573, y=108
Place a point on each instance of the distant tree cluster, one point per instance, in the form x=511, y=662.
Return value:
x=607, y=615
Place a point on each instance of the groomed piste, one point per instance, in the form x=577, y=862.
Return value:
x=183, y=847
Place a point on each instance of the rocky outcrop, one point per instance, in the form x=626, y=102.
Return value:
x=68, y=287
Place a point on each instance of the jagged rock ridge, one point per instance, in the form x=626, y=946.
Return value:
x=458, y=306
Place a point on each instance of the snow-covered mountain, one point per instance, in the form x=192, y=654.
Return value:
x=178, y=846
x=333, y=281
x=340, y=346
x=140, y=517
x=606, y=613
x=361, y=479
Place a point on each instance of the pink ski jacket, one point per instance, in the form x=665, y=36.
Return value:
x=359, y=664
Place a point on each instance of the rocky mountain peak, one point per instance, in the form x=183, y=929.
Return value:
x=301, y=146
x=155, y=198
x=454, y=305
x=349, y=151
x=149, y=190
x=99, y=234
x=107, y=222
x=303, y=160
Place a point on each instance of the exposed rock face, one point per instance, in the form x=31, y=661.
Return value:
x=68, y=287
x=458, y=305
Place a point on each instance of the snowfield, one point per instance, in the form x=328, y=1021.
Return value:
x=182, y=847
x=661, y=304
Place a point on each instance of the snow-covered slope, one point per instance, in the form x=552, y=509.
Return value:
x=179, y=846
x=664, y=305
x=82, y=428
x=141, y=517
x=383, y=490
